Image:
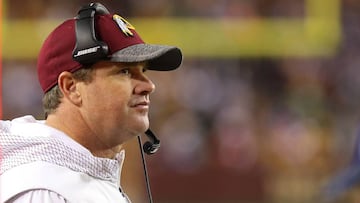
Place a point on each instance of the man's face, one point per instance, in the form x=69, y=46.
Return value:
x=115, y=103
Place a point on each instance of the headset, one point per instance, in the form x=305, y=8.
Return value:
x=88, y=50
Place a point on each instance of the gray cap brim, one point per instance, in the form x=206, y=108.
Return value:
x=159, y=57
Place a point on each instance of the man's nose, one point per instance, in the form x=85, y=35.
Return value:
x=145, y=86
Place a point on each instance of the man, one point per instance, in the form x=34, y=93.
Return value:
x=96, y=97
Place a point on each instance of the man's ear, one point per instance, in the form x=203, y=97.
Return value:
x=68, y=87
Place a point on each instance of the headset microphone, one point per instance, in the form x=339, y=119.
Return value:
x=149, y=147
x=152, y=146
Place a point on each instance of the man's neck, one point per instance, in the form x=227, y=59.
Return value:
x=89, y=141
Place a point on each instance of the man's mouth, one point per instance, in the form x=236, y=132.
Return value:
x=141, y=104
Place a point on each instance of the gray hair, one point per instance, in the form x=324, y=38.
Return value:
x=52, y=98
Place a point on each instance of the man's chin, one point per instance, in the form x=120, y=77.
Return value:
x=140, y=129
x=137, y=123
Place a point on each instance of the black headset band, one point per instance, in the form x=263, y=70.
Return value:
x=88, y=48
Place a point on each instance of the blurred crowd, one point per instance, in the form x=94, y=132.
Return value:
x=205, y=8
x=258, y=130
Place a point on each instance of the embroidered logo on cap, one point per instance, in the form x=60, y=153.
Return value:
x=124, y=25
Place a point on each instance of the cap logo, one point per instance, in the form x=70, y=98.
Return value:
x=124, y=25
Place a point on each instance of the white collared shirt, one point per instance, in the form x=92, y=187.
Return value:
x=41, y=163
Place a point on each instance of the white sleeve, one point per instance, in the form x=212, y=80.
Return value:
x=38, y=196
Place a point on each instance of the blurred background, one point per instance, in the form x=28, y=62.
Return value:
x=263, y=110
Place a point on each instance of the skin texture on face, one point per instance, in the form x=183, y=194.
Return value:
x=107, y=111
x=116, y=103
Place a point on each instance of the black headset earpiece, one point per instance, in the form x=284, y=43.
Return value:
x=88, y=48
x=152, y=146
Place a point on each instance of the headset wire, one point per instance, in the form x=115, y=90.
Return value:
x=146, y=176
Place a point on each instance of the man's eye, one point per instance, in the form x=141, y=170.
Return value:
x=125, y=71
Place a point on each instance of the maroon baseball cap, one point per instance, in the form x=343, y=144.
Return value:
x=124, y=45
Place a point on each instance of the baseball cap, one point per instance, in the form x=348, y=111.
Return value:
x=124, y=45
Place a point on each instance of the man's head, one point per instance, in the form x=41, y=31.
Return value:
x=119, y=37
x=108, y=90
x=122, y=41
